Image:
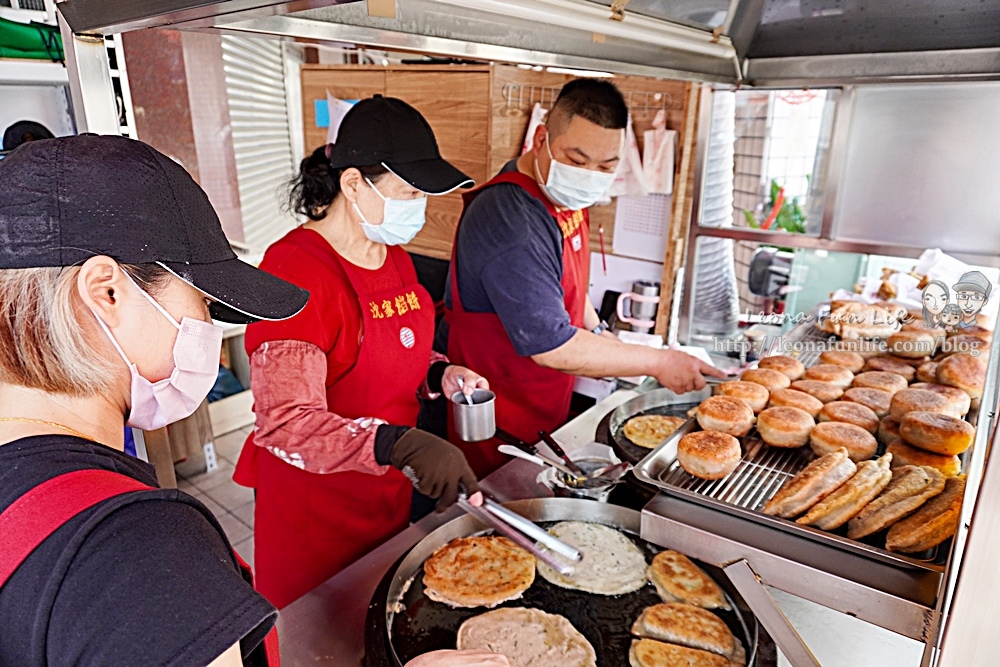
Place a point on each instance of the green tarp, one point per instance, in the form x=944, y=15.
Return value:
x=30, y=40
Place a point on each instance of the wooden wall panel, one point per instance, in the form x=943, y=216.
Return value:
x=456, y=103
x=347, y=82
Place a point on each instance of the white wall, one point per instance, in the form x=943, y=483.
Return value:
x=47, y=105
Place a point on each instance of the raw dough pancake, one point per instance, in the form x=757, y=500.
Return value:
x=478, y=572
x=611, y=565
x=677, y=579
x=687, y=625
x=528, y=638
x=650, y=653
x=650, y=430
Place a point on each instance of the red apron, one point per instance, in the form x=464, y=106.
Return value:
x=530, y=398
x=30, y=519
x=308, y=526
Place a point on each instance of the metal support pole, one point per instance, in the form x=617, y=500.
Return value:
x=90, y=86
x=770, y=615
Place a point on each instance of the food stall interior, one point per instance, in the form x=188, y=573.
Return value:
x=867, y=78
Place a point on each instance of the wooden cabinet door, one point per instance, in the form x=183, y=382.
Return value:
x=456, y=103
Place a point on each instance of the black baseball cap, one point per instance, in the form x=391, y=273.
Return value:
x=24, y=131
x=389, y=132
x=65, y=200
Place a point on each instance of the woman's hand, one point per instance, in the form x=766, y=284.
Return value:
x=459, y=659
x=471, y=379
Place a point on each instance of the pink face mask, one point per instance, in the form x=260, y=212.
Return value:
x=196, y=366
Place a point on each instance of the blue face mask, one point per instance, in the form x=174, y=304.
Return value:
x=402, y=219
x=573, y=187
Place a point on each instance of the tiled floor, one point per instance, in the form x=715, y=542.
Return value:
x=231, y=503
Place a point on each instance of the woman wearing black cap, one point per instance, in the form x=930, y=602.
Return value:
x=336, y=386
x=111, y=264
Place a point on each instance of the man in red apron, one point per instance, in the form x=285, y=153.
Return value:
x=517, y=307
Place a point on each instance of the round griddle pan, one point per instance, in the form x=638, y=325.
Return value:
x=658, y=402
x=403, y=622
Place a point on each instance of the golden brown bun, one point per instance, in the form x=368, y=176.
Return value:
x=919, y=400
x=824, y=391
x=478, y=572
x=813, y=483
x=958, y=343
x=890, y=382
x=754, y=394
x=932, y=524
x=906, y=371
x=905, y=455
x=831, y=373
x=850, y=413
x=785, y=427
x=784, y=364
x=725, y=414
x=888, y=430
x=975, y=331
x=911, y=344
x=959, y=399
x=937, y=433
x=927, y=371
x=709, y=454
x=876, y=400
x=964, y=371
x=677, y=579
x=793, y=398
x=911, y=487
x=913, y=362
x=852, y=361
x=853, y=496
x=830, y=437
x=770, y=379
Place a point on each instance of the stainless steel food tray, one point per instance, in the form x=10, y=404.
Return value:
x=759, y=475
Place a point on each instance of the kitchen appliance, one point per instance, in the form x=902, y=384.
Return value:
x=642, y=303
x=402, y=622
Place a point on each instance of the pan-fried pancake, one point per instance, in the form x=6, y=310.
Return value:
x=687, y=625
x=677, y=579
x=650, y=430
x=611, y=565
x=528, y=638
x=814, y=483
x=911, y=487
x=843, y=504
x=651, y=653
x=478, y=572
x=932, y=524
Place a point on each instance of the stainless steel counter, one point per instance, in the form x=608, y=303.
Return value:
x=326, y=626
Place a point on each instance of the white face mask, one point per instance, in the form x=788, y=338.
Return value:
x=402, y=219
x=196, y=366
x=573, y=187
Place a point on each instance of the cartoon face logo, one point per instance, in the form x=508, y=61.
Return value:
x=972, y=291
x=951, y=315
x=935, y=298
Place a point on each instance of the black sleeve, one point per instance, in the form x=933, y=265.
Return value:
x=385, y=437
x=154, y=584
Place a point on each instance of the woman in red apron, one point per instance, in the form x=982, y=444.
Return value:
x=334, y=456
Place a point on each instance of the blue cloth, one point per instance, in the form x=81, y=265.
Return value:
x=129, y=442
x=509, y=254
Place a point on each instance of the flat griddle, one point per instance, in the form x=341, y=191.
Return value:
x=407, y=623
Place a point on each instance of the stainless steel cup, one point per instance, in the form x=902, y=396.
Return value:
x=475, y=422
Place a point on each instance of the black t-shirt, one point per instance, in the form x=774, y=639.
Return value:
x=130, y=581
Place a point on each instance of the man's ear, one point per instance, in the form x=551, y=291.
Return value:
x=99, y=285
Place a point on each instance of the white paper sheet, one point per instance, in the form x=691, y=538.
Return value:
x=641, y=226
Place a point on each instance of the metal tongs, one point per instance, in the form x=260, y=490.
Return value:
x=508, y=523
